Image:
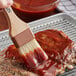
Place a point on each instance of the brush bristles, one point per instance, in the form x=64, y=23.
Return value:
x=30, y=46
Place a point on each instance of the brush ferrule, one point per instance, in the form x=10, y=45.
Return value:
x=23, y=37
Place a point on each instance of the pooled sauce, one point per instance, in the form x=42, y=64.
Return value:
x=54, y=44
x=32, y=5
x=29, y=10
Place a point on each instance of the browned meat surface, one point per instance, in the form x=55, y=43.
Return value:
x=11, y=68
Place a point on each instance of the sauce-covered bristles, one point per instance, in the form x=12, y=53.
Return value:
x=33, y=54
x=33, y=59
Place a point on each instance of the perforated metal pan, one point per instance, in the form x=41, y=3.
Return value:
x=60, y=21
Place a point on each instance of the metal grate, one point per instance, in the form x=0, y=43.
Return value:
x=68, y=6
x=5, y=40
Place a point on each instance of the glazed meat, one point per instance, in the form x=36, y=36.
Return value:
x=56, y=44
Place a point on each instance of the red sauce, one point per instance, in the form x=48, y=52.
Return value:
x=29, y=10
x=12, y=53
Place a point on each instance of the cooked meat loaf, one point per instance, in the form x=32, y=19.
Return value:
x=60, y=49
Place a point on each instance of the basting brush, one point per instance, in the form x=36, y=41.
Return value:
x=24, y=40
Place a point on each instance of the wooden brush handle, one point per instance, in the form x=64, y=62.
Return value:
x=16, y=25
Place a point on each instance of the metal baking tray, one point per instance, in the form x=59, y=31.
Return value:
x=60, y=21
